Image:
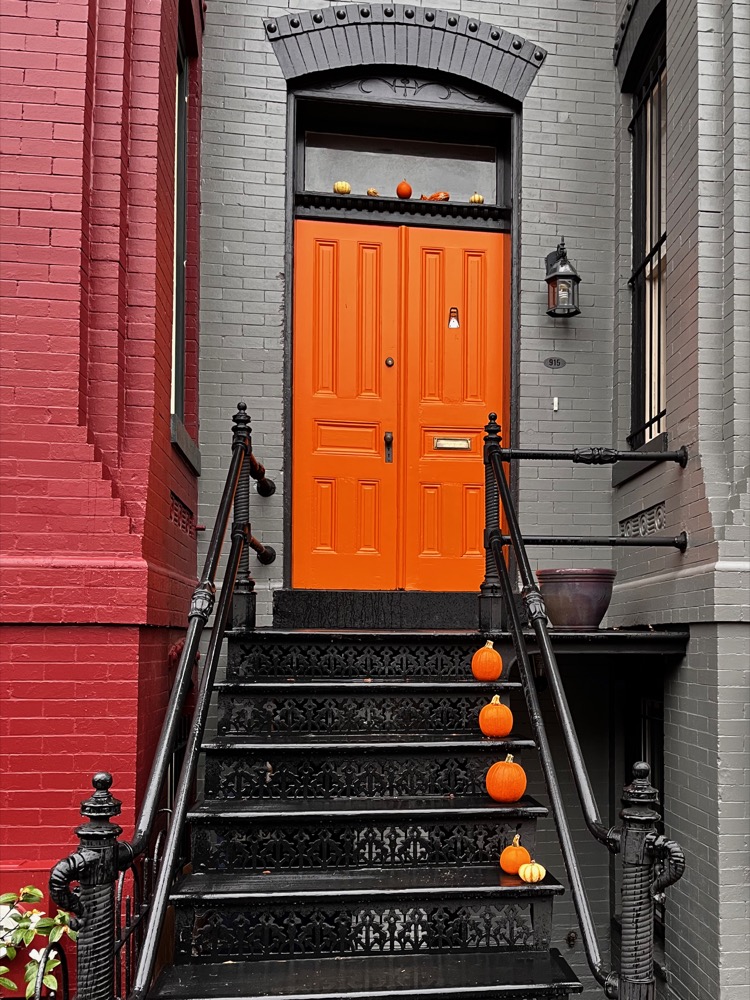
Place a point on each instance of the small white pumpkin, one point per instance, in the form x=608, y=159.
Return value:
x=342, y=187
x=532, y=872
x=476, y=199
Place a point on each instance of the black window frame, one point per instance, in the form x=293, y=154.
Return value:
x=648, y=276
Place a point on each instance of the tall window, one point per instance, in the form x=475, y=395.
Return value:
x=648, y=280
x=180, y=247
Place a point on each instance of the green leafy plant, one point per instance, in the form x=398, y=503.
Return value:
x=21, y=924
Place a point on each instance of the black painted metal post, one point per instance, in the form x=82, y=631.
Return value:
x=490, y=591
x=244, y=602
x=98, y=877
x=639, y=816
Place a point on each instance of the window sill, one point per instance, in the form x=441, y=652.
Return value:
x=623, y=472
x=183, y=443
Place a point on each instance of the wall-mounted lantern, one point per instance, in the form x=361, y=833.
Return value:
x=562, y=283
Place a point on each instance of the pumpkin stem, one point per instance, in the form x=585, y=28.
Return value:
x=517, y=841
x=489, y=644
x=509, y=759
x=495, y=700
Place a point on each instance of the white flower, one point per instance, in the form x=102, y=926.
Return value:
x=3, y=951
x=35, y=955
x=35, y=916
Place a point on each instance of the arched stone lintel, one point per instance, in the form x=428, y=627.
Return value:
x=388, y=35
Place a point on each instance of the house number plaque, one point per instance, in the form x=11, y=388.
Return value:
x=554, y=363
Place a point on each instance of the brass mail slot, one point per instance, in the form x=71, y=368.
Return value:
x=451, y=444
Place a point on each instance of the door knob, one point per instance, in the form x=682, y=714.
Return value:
x=389, y=362
x=388, y=441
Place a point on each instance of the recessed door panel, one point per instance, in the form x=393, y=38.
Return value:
x=400, y=338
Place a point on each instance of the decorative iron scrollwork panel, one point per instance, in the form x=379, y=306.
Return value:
x=239, y=934
x=249, y=660
x=263, y=847
x=296, y=776
x=380, y=713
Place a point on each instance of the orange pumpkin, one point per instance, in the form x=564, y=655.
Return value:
x=514, y=856
x=495, y=719
x=506, y=780
x=404, y=189
x=487, y=663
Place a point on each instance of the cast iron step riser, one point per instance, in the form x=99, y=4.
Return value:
x=357, y=712
x=311, y=657
x=277, y=774
x=395, y=843
x=237, y=932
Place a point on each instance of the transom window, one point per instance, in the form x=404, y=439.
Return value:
x=648, y=279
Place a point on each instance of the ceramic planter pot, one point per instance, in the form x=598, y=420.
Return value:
x=576, y=598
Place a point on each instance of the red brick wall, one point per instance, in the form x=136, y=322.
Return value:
x=96, y=575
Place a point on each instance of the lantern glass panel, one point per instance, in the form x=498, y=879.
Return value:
x=564, y=292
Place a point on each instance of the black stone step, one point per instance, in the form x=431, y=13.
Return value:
x=312, y=653
x=373, y=608
x=435, y=976
x=352, y=833
x=372, y=766
x=354, y=706
x=290, y=915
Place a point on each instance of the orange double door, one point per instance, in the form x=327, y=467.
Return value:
x=400, y=350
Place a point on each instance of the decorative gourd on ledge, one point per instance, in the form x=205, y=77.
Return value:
x=514, y=856
x=532, y=872
x=506, y=780
x=487, y=663
x=496, y=719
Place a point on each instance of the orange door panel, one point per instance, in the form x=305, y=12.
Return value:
x=436, y=302
x=345, y=400
x=456, y=323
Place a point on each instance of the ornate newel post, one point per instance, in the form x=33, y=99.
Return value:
x=243, y=604
x=640, y=816
x=95, y=866
x=490, y=596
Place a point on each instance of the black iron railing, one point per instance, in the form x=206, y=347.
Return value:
x=117, y=889
x=650, y=862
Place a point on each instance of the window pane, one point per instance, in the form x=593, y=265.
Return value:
x=648, y=280
x=370, y=162
x=180, y=236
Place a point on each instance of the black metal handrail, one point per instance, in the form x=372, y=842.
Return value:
x=592, y=456
x=637, y=841
x=147, y=957
x=110, y=938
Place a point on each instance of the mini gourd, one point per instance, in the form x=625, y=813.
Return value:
x=532, y=872
x=476, y=199
x=342, y=187
x=506, y=780
x=495, y=719
x=514, y=856
x=487, y=663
